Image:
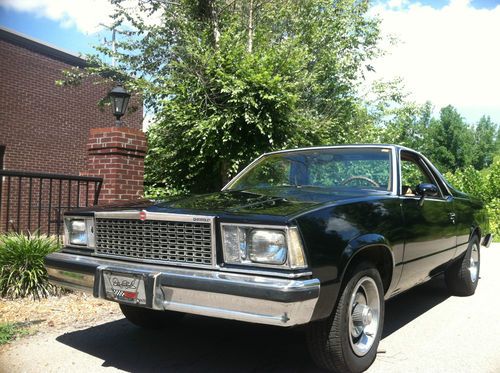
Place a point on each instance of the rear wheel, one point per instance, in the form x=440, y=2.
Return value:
x=347, y=341
x=463, y=275
x=150, y=319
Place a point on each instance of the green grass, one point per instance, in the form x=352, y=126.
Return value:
x=9, y=331
x=22, y=270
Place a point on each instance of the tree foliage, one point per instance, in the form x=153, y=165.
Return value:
x=230, y=79
x=485, y=142
x=448, y=141
x=484, y=185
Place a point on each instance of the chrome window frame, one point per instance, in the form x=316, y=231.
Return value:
x=391, y=148
x=429, y=169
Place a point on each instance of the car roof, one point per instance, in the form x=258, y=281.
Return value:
x=382, y=146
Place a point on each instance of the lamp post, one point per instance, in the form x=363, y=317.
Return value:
x=119, y=100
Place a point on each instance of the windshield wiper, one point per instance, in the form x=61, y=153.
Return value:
x=299, y=186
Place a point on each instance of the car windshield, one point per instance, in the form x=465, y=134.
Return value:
x=359, y=168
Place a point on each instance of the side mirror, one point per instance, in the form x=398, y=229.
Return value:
x=426, y=190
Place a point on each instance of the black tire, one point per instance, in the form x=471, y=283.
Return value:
x=330, y=342
x=150, y=319
x=462, y=276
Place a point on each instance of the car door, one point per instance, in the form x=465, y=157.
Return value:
x=430, y=233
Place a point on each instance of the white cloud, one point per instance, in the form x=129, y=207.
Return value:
x=448, y=55
x=85, y=15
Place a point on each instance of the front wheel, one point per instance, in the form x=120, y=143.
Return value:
x=347, y=341
x=150, y=319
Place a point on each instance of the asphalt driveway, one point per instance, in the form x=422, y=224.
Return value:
x=426, y=330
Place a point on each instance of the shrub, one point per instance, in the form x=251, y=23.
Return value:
x=484, y=185
x=22, y=271
x=494, y=213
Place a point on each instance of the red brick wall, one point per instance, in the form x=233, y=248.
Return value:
x=45, y=127
x=117, y=155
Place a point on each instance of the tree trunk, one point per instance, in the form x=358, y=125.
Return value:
x=214, y=17
x=250, y=28
x=224, y=172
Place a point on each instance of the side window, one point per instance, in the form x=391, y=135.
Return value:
x=412, y=174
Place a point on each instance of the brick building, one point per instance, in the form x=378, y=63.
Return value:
x=44, y=127
x=47, y=128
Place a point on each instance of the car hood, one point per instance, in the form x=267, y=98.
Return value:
x=284, y=202
x=275, y=202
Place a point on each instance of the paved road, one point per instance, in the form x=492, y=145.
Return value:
x=426, y=330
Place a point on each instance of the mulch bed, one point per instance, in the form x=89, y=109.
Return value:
x=70, y=311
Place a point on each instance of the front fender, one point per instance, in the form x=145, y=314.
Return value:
x=360, y=243
x=356, y=246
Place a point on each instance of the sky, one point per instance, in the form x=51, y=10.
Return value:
x=447, y=51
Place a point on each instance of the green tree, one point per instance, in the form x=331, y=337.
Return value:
x=484, y=139
x=396, y=119
x=449, y=141
x=407, y=125
x=228, y=80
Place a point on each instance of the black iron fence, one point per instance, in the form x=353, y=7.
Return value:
x=32, y=201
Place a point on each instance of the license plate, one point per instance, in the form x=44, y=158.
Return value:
x=124, y=287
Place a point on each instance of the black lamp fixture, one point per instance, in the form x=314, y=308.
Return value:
x=119, y=100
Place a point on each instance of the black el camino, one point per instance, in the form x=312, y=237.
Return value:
x=318, y=236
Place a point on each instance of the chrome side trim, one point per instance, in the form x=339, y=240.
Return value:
x=417, y=198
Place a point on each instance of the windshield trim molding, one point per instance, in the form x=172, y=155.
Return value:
x=394, y=174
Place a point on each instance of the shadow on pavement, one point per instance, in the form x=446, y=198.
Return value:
x=406, y=307
x=196, y=344
x=205, y=344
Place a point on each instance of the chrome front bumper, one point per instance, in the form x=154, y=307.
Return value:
x=250, y=298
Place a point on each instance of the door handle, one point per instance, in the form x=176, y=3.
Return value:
x=452, y=217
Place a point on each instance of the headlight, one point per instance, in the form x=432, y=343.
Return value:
x=267, y=246
x=79, y=231
x=254, y=245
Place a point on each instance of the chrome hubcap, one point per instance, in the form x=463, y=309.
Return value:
x=364, y=315
x=474, y=263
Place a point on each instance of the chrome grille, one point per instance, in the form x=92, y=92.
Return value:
x=155, y=240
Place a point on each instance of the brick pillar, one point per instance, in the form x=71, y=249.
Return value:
x=117, y=154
